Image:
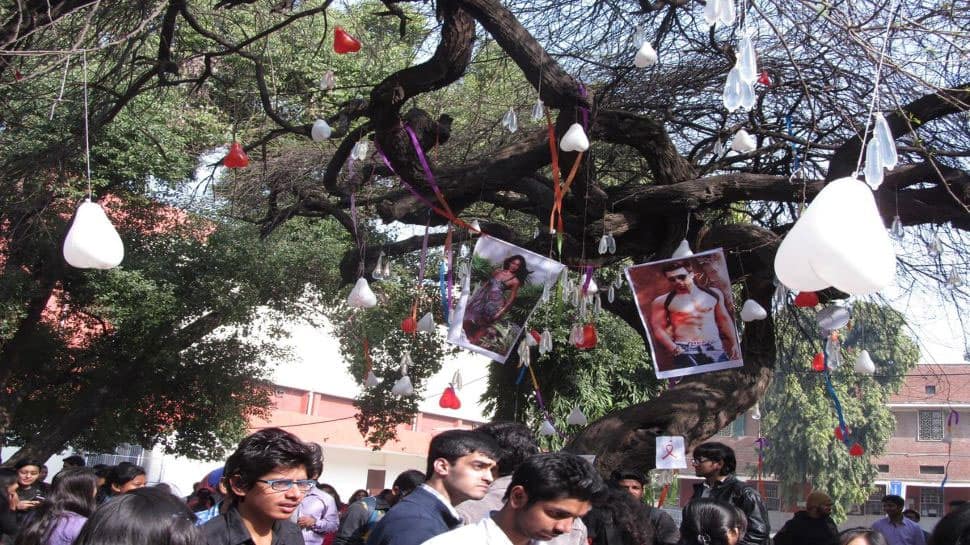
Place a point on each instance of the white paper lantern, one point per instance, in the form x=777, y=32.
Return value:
x=752, y=311
x=864, y=364
x=92, y=242
x=576, y=417
x=683, y=250
x=575, y=139
x=361, y=296
x=320, y=131
x=646, y=56
x=839, y=241
x=426, y=323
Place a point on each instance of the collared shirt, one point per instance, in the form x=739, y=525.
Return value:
x=322, y=507
x=905, y=533
x=228, y=529
x=442, y=499
x=483, y=532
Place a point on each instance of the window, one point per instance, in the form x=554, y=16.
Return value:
x=375, y=480
x=882, y=468
x=930, y=426
x=734, y=429
x=874, y=503
x=932, y=470
x=930, y=501
x=930, y=389
x=772, y=497
x=124, y=453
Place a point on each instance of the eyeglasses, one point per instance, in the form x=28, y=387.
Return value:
x=282, y=485
x=677, y=277
x=699, y=461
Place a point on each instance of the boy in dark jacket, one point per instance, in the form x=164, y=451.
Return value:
x=716, y=463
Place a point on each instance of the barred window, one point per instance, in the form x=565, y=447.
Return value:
x=734, y=429
x=930, y=501
x=930, y=426
x=772, y=497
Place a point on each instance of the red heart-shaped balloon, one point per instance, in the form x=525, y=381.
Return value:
x=818, y=362
x=236, y=158
x=806, y=299
x=536, y=335
x=856, y=450
x=839, y=434
x=409, y=325
x=763, y=79
x=449, y=399
x=343, y=42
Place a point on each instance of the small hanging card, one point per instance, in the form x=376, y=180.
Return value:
x=506, y=284
x=670, y=452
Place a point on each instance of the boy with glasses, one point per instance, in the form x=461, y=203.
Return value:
x=716, y=463
x=266, y=479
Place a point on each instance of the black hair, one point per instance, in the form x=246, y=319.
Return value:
x=407, y=481
x=894, y=499
x=523, y=273
x=957, y=503
x=628, y=474
x=72, y=492
x=74, y=460
x=122, y=473
x=556, y=475
x=516, y=441
x=915, y=514
x=329, y=489
x=145, y=516
x=453, y=444
x=314, y=471
x=101, y=470
x=953, y=528
x=618, y=511
x=261, y=453
x=7, y=477
x=871, y=537
x=360, y=494
x=717, y=452
x=27, y=462
x=708, y=521
x=674, y=265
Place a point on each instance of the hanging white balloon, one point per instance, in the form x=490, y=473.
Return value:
x=756, y=412
x=646, y=56
x=426, y=323
x=732, y=89
x=953, y=279
x=873, y=169
x=372, y=380
x=896, y=230
x=833, y=352
x=611, y=293
x=545, y=342
x=864, y=364
x=361, y=296
x=359, y=152
x=683, y=250
x=752, y=311
x=934, y=247
x=547, y=428
x=510, y=120
x=576, y=417
x=403, y=387
x=525, y=353
x=538, y=110
x=743, y=142
x=747, y=59
x=320, y=130
x=838, y=241
x=92, y=242
x=327, y=81
x=887, y=144
x=575, y=139
x=474, y=228
x=604, y=245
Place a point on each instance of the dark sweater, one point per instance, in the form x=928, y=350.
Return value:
x=805, y=530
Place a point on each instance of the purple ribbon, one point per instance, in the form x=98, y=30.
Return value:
x=953, y=419
x=424, y=253
x=589, y=276
x=582, y=109
x=408, y=186
x=422, y=159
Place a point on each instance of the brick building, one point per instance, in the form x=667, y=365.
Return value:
x=922, y=451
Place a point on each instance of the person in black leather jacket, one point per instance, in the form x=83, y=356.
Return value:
x=716, y=463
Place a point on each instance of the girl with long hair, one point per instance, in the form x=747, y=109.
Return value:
x=712, y=522
x=59, y=519
x=489, y=302
x=144, y=516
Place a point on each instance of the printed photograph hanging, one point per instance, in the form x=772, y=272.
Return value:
x=687, y=309
x=506, y=285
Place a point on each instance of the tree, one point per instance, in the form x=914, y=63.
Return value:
x=655, y=172
x=798, y=416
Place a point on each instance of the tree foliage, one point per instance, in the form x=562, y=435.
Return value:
x=799, y=418
x=656, y=172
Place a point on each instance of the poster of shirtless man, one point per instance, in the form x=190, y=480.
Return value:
x=687, y=309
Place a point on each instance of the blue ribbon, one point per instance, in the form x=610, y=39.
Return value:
x=443, y=285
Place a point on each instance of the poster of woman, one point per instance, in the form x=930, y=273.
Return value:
x=687, y=309
x=506, y=284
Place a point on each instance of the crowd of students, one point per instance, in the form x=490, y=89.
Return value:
x=488, y=486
